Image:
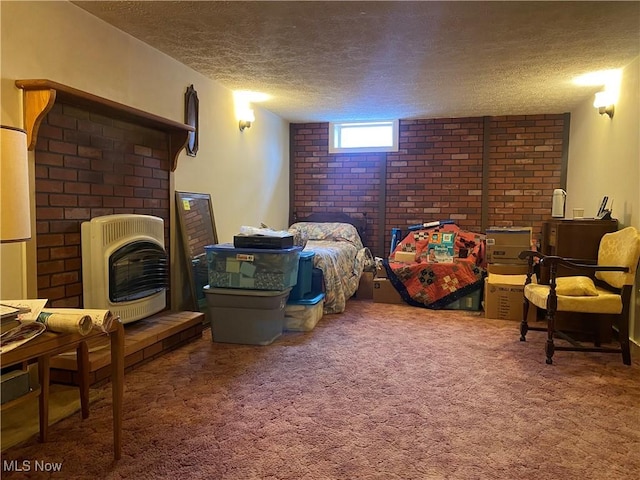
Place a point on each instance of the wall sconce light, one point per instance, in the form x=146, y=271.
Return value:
x=15, y=218
x=604, y=102
x=243, y=100
x=246, y=119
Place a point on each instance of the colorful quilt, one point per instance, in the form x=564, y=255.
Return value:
x=438, y=276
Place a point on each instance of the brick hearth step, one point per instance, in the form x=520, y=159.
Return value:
x=144, y=340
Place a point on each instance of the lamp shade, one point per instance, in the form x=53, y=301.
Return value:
x=15, y=213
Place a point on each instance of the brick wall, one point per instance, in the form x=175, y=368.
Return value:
x=437, y=174
x=332, y=183
x=498, y=171
x=525, y=165
x=87, y=165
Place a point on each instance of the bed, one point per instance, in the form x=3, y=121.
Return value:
x=441, y=265
x=337, y=242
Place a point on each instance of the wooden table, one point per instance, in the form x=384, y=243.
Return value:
x=48, y=344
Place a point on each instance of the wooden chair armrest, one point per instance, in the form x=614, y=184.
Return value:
x=532, y=253
x=583, y=261
x=554, y=261
x=529, y=254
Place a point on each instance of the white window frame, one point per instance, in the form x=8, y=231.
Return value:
x=335, y=130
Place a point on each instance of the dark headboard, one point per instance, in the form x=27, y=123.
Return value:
x=359, y=222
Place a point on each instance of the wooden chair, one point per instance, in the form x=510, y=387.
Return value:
x=607, y=290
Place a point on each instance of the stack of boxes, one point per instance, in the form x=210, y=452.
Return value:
x=504, y=285
x=248, y=290
x=305, y=305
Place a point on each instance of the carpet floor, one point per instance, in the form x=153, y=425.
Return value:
x=378, y=392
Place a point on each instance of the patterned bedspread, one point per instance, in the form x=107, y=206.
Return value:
x=341, y=271
x=340, y=255
x=430, y=281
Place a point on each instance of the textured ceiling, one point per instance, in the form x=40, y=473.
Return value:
x=349, y=60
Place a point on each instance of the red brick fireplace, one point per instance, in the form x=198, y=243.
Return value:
x=95, y=157
x=88, y=165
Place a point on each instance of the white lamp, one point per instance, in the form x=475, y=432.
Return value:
x=15, y=213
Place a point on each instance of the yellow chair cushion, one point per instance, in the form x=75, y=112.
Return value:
x=576, y=286
x=604, y=302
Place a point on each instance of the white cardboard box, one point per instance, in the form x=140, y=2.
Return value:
x=505, y=244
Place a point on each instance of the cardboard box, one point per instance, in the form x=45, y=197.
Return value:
x=508, y=268
x=504, y=297
x=365, y=287
x=510, y=236
x=505, y=244
x=385, y=292
x=405, y=257
x=380, y=272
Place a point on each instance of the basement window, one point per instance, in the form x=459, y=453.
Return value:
x=363, y=137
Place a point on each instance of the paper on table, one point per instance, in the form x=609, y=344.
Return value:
x=19, y=335
x=34, y=306
x=8, y=311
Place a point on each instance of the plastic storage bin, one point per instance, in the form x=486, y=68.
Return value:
x=200, y=278
x=303, y=315
x=317, y=280
x=251, y=317
x=468, y=302
x=305, y=271
x=254, y=269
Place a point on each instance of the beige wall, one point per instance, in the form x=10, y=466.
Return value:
x=604, y=154
x=246, y=173
x=604, y=159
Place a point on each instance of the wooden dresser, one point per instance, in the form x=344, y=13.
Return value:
x=573, y=238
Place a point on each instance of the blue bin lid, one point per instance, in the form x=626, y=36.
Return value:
x=307, y=254
x=229, y=248
x=308, y=300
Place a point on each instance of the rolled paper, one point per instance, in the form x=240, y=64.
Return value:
x=66, y=323
x=101, y=319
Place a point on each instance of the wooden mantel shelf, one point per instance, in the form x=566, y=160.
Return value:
x=40, y=95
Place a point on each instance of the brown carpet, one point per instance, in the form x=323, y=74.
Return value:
x=378, y=392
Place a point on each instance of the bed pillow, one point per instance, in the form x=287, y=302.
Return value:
x=300, y=237
x=332, y=231
x=576, y=287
